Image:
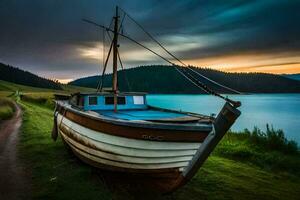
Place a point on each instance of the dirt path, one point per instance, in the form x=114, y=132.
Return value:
x=12, y=181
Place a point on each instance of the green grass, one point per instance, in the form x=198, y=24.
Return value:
x=6, y=112
x=268, y=150
x=240, y=168
x=45, y=99
x=248, y=165
x=6, y=109
x=7, y=88
x=222, y=178
x=55, y=173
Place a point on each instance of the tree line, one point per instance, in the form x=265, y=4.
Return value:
x=165, y=79
x=19, y=76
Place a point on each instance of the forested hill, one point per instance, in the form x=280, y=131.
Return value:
x=293, y=76
x=165, y=79
x=16, y=75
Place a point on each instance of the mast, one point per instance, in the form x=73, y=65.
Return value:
x=115, y=60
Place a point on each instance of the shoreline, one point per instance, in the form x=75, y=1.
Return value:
x=235, y=169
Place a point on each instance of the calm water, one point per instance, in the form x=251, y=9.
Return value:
x=280, y=110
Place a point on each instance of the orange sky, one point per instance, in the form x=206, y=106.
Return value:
x=277, y=63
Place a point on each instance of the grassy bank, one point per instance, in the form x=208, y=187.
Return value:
x=269, y=150
x=40, y=99
x=241, y=167
x=6, y=109
x=55, y=174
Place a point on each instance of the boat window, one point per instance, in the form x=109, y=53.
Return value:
x=74, y=100
x=138, y=100
x=121, y=100
x=80, y=101
x=110, y=100
x=92, y=100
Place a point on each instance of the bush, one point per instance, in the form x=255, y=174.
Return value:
x=6, y=112
x=273, y=140
x=41, y=100
x=269, y=149
x=7, y=109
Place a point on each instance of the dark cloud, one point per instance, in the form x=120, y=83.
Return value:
x=43, y=36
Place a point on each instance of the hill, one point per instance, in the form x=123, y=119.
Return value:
x=165, y=79
x=16, y=75
x=7, y=88
x=293, y=76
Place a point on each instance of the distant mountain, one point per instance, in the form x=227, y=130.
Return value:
x=293, y=76
x=165, y=79
x=16, y=75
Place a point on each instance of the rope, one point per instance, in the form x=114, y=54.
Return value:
x=147, y=49
x=204, y=87
x=104, y=69
x=121, y=25
x=228, y=88
x=103, y=56
x=125, y=36
x=191, y=78
x=149, y=35
x=103, y=52
x=173, y=56
x=126, y=78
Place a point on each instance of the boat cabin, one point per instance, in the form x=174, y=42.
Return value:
x=105, y=101
x=130, y=106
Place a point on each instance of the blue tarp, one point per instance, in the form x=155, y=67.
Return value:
x=141, y=114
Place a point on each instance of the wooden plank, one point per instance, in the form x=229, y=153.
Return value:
x=134, y=132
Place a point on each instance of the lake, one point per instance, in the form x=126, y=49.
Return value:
x=280, y=110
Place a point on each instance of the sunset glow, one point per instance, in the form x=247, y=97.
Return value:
x=277, y=63
x=64, y=81
x=231, y=36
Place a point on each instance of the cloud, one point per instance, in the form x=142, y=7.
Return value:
x=49, y=38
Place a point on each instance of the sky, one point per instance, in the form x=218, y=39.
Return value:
x=49, y=38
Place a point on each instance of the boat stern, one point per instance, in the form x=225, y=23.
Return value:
x=221, y=125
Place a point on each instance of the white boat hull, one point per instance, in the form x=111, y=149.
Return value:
x=124, y=152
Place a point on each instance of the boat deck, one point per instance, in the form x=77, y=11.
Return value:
x=148, y=115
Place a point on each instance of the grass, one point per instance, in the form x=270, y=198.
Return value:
x=55, y=174
x=45, y=99
x=8, y=88
x=34, y=94
x=243, y=166
x=6, y=112
x=222, y=178
x=268, y=150
x=248, y=165
x=6, y=109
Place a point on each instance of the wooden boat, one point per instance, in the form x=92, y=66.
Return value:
x=119, y=132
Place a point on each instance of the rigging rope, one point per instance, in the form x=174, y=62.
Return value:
x=149, y=35
x=204, y=87
x=119, y=57
x=173, y=56
x=126, y=78
x=101, y=81
x=228, y=88
x=189, y=79
x=188, y=76
x=103, y=56
x=104, y=69
x=121, y=25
